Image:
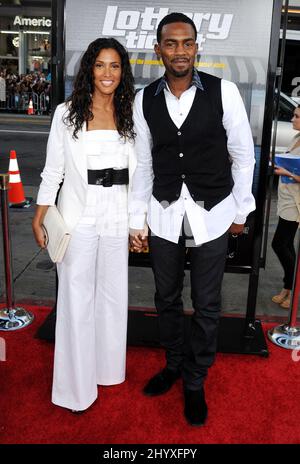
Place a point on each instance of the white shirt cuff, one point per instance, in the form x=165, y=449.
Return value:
x=137, y=221
x=44, y=198
x=240, y=219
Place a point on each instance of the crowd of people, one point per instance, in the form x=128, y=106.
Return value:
x=17, y=89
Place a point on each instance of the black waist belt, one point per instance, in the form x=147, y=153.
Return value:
x=108, y=177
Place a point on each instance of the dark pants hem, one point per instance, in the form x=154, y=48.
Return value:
x=195, y=354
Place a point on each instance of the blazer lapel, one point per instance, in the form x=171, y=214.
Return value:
x=78, y=153
x=132, y=162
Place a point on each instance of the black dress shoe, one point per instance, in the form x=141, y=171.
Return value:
x=195, y=407
x=161, y=382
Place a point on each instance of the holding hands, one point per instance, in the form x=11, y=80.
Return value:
x=138, y=239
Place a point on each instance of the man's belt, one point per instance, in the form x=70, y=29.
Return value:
x=108, y=177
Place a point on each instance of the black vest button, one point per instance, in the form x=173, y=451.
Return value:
x=178, y=133
x=182, y=176
x=180, y=155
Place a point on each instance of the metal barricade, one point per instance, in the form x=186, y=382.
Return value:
x=44, y=102
x=16, y=102
x=12, y=317
x=19, y=102
x=35, y=102
x=288, y=335
x=9, y=101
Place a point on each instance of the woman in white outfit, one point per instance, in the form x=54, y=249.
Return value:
x=90, y=148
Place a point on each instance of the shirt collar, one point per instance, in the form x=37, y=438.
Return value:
x=196, y=81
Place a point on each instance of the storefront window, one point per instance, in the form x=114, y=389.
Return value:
x=9, y=51
x=25, y=60
x=39, y=52
x=25, y=44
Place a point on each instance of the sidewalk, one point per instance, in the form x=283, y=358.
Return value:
x=35, y=273
x=33, y=117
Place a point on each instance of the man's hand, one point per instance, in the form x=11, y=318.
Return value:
x=236, y=229
x=138, y=239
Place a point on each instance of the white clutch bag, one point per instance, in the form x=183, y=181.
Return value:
x=57, y=234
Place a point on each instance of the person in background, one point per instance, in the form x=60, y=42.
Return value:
x=2, y=89
x=288, y=210
x=90, y=149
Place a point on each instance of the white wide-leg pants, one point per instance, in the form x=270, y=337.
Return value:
x=91, y=326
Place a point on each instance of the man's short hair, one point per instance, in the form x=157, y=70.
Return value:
x=174, y=18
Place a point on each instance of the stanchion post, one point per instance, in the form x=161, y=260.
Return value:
x=4, y=182
x=296, y=290
x=11, y=317
x=288, y=335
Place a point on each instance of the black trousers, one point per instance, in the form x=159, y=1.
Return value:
x=195, y=355
x=283, y=245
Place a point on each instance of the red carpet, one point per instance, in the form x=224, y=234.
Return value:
x=251, y=400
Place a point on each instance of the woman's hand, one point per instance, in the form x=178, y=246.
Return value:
x=282, y=172
x=37, y=221
x=39, y=234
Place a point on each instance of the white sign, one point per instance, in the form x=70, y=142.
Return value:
x=16, y=42
x=34, y=22
x=118, y=23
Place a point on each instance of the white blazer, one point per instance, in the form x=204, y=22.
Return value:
x=66, y=160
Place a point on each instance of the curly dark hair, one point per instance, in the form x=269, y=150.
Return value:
x=80, y=100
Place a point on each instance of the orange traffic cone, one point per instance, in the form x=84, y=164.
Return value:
x=30, y=107
x=16, y=195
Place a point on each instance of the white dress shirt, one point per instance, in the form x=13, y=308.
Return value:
x=205, y=225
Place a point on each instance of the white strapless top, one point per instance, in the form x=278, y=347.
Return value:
x=106, y=207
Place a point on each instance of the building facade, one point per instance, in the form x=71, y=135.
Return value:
x=25, y=37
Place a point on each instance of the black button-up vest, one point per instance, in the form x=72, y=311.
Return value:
x=196, y=153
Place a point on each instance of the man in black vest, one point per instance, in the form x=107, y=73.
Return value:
x=192, y=186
